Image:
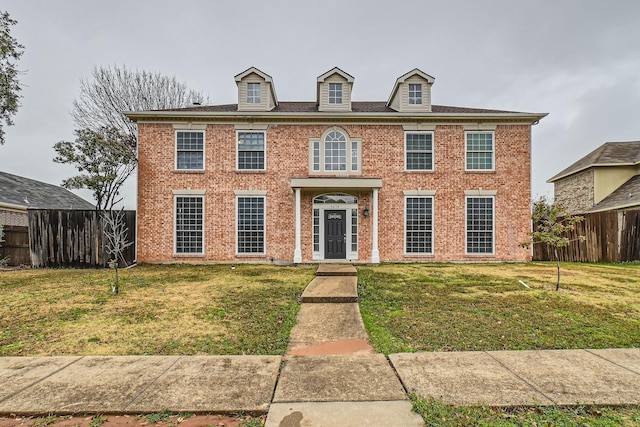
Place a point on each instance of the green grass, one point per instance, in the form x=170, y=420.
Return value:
x=459, y=307
x=161, y=310
x=438, y=414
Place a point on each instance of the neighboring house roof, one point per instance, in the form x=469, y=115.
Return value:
x=24, y=193
x=312, y=107
x=627, y=195
x=608, y=154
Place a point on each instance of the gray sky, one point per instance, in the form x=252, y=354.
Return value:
x=578, y=60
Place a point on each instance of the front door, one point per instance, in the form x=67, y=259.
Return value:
x=335, y=234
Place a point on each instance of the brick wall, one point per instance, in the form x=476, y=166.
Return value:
x=575, y=192
x=288, y=157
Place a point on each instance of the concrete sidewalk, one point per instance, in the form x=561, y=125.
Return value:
x=329, y=376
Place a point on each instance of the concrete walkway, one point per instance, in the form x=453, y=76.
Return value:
x=330, y=376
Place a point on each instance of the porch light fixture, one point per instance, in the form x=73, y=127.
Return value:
x=365, y=212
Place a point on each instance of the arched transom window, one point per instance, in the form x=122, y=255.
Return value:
x=336, y=152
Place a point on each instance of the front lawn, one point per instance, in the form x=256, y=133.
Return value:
x=456, y=307
x=161, y=310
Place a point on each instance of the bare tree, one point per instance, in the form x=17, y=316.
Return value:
x=115, y=231
x=104, y=160
x=114, y=90
x=9, y=84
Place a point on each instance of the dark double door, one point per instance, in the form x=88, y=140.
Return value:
x=335, y=232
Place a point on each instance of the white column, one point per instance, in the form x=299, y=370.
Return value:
x=297, y=253
x=375, y=254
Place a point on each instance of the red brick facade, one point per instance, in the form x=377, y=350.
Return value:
x=287, y=157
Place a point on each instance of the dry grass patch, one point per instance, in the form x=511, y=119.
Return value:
x=173, y=309
x=455, y=307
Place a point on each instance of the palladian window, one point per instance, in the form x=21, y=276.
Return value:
x=335, y=153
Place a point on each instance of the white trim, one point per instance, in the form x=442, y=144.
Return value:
x=337, y=184
x=419, y=127
x=348, y=208
x=433, y=150
x=375, y=253
x=479, y=127
x=433, y=210
x=189, y=192
x=419, y=193
x=480, y=193
x=189, y=126
x=493, y=150
x=348, y=147
x=176, y=195
x=297, y=252
x=493, y=229
x=238, y=132
x=204, y=150
x=251, y=127
x=252, y=194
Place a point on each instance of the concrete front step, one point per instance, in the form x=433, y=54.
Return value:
x=344, y=414
x=335, y=289
x=336, y=270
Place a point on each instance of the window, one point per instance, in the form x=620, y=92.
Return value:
x=419, y=151
x=189, y=150
x=415, y=94
x=419, y=225
x=335, y=93
x=253, y=93
x=189, y=225
x=479, y=151
x=251, y=225
x=336, y=152
x=251, y=150
x=480, y=225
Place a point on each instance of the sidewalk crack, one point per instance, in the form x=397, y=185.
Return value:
x=612, y=362
x=144, y=390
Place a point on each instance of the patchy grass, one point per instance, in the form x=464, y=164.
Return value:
x=456, y=307
x=161, y=310
x=439, y=414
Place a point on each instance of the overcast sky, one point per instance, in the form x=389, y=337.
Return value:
x=577, y=60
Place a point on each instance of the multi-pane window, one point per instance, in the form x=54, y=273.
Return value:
x=479, y=151
x=251, y=225
x=189, y=224
x=189, y=150
x=335, y=93
x=253, y=93
x=415, y=94
x=335, y=152
x=354, y=230
x=419, y=151
x=480, y=225
x=251, y=150
x=419, y=225
x=316, y=230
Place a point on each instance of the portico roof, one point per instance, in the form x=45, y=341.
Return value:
x=337, y=183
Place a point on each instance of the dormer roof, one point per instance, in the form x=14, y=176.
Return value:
x=268, y=98
x=334, y=76
x=399, y=98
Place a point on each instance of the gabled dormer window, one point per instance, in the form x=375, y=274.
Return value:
x=415, y=94
x=253, y=93
x=335, y=93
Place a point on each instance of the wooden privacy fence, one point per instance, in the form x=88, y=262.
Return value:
x=60, y=238
x=612, y=236
x=16, y=245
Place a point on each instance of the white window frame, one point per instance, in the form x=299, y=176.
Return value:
x=320, y=142
x=480, y=195
x=204, y=148
x=406, y=197
x=493, y=150
x=252, y=96
x=348, y=208
x=415, y=97
x=251, y=194
x=336, y=89
x=192, y=194
x=264, y=150
x=433, y=154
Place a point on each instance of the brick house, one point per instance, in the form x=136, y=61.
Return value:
x=333, y=179
x=608, y=178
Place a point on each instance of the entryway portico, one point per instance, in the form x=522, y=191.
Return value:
x=336, y=216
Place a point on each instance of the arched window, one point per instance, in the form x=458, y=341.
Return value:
x=335, y=152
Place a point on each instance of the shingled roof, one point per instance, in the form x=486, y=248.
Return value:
x=356, y=107
x=31, y=194
x=608, y=154
x=626, y=196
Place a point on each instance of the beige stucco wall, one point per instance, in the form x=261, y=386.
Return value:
x=608, y=179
